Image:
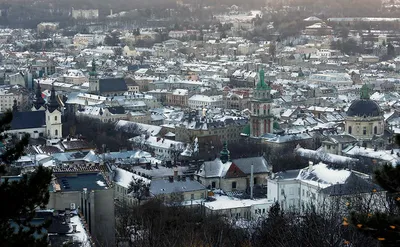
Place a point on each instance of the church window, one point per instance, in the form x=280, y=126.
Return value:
x=365, y=131
x=350, y=129
x=375, y=130
x=56, y=132
x=55, y=118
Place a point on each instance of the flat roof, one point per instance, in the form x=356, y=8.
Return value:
x=91, y=181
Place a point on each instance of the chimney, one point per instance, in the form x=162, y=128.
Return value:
x=310, y=166
x=251, y=181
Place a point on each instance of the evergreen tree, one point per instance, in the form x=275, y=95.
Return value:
x=22, y=197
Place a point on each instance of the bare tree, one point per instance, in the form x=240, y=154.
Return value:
x=139, y=189
x=175, y=151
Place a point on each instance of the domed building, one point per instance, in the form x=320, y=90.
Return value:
x=365, y=119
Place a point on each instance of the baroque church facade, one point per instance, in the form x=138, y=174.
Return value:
x=44, y=119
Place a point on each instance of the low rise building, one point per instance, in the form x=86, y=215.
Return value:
x=178, y=97
x=321, y=187
x=203, y=101
x=233, y=175
x=8, y=94
x=90, y=193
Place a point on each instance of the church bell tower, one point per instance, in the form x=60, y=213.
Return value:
x=261, y=119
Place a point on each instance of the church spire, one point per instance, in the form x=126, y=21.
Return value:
x=93, y=72
x=364, y=92
x=38, y=100
x=261, y=85
x=52, y=103
x=225, y=154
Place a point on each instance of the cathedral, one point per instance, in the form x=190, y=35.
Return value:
x=365, y=121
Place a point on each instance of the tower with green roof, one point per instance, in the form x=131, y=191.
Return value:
x=261, y=120
x=93, y=80
x=224, y=154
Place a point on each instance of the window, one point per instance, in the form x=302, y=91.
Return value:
x=213, y=185
x=233, y=185
x=364, y=130
x=56, y=132
x=282, y=192
x=263, y=210
x=349, y=129
x=192, y=196
x=375, y=130
x=55, y=118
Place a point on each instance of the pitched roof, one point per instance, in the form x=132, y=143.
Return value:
x=130, y=81
x=216, y=168
x=260, y=165
x=234, y=172
x=116, y=110
x=28, y=120
x=354, y=184
x=164, y=186
x=109, y=85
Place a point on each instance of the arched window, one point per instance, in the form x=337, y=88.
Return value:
x=350, y=129
x=56, y=132
x=55, y=118
x=375, y=130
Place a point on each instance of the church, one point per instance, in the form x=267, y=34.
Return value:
x=105, y=86
x=365, y=121
x=44, y=119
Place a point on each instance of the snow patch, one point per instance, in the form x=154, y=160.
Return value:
x=101, y=183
